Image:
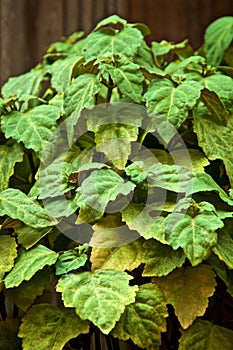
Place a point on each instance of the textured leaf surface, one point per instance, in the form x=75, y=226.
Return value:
x=28, y=263
x=144, y=320
x=161, y=259
x=8, y=334
x=8, y=253
x=218, y=38
x=33, y=128
x=196, y=235
x=17, y=205
x=100, y=296
x=8, y=157
x=81, y=93
x=170, y=101
x=224, y=246
x=47, y=327
x=70, y=260
x=24, y=295
x=125, y=257
x=205, y=335
x=188, y=290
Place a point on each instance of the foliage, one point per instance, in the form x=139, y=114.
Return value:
x=116, y=194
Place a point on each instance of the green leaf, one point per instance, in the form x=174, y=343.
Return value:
x=125, y=257
x=114, y=140
x=194, y=232
x=101, y=187
x=81, y=93
x=100, y=296
x=224, y=246
x=8, y=334
x=110, y=42
x=205, y=335
x=25, y=84
x=215, y=140
x=9, y=155
x=62, y=72
x=17, y=205
x=28, y=236
x=47, y=327
x=8, y=253
x=218, y=38
x=127, y=77
x=28, y=263
x=144, y=320
x=161, y=259
x=215, y=106
x=165, y=47
x=111, y=20
x=188, y=290
x=70, y=260
x=33, y=128
x=24, y=295
x=173, y=102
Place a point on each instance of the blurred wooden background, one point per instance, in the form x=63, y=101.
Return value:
x=27, y=27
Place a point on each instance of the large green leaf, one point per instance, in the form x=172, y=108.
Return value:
x=33, y=128
x=215, y=140
x=160, y=259
x=81, y=93
x=28, y=263
x=125, y=257
x=47, y=327
x=127, y=77
x=100, y=296
x=110, y=42
x=24, y=295
x=173, y=102
x=8, y=334
x=25, y=84
x=218, y=38
x=194, y=232
x=144, y=320
x=62, y=72
x=8, y=253
x=18, y=205
x=205, y=335
x=9, y=155
x=101, y=187
x=188, y=290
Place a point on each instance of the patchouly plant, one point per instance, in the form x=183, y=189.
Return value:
x=116, y=202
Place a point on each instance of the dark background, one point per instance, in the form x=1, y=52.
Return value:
x=27, y=27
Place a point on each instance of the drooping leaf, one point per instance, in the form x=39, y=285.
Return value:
x=100, y=296
x=188, y=290
x=70, y=260
x=144, y=320
x=125, y=257
x=28, y=236
x=113, y=20
x=172, y=102
x=161, y=259
x=24, y=295
x=8, y=253
x=224, y=246
x=8, y=334
x=215, y=106
x=81, y=93
x=203, y=335
x=165, y=47
x=28, y=263
x=33, y=128
x=18, y=205
x=47, y=327
x=218, y=38
x=9, y=155
x=25, y=84
x=222, y=271
x=195, y=233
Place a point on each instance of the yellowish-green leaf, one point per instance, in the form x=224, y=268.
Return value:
x=188, y=290
x=8, y=253
x=144, y=320
x=100, y=296
x=47, y=327
x=205, y=335
x=28, y=263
